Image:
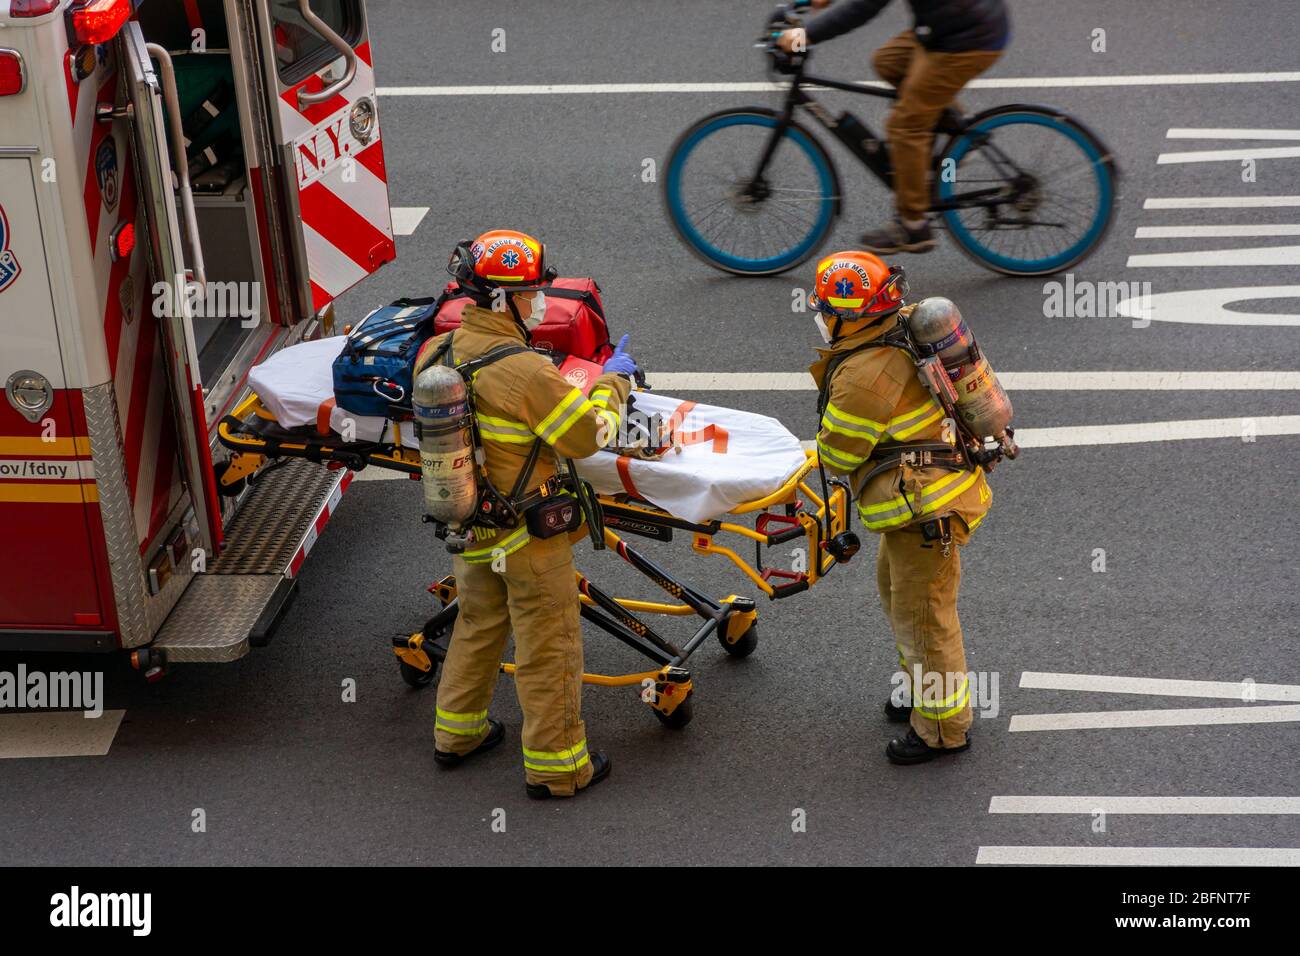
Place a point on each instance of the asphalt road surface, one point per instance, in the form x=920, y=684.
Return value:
x=1199, y=533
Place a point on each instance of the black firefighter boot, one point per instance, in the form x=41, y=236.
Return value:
x=912, y=749
x=600, y=767
x=495, y=734
x=897, y=713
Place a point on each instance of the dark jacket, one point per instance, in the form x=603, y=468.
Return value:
x=944, y=26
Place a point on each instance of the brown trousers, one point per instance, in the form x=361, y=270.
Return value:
x=927, y=82
x=918, y=591
x=534, y=593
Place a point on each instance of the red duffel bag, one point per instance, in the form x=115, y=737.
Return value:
x=574, y=323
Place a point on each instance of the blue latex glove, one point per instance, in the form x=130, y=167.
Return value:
x=621, y=362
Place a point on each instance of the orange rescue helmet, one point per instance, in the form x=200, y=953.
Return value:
x=854, y=285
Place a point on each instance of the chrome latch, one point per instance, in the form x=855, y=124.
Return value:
x=30, y=393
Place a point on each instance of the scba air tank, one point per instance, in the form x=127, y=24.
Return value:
x=442, y=424
x=982, y=402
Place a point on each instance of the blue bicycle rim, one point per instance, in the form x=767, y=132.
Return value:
x=727, y=259
x=1050, y=263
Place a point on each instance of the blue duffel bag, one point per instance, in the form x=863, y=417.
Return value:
x=372, y=375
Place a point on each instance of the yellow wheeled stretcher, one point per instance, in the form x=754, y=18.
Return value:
x=806, y=508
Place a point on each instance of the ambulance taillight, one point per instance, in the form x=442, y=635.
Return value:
x=12, y=78
x=97, y=21
x=27, y=9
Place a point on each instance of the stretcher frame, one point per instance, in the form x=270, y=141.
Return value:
x=255, y=438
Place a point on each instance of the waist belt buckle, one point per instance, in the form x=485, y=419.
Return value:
x=915, y=458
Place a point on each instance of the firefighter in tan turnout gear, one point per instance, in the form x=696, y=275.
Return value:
x=510, y=580
x=883, y=428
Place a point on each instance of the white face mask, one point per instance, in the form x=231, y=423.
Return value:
x=538, y=303
x=821, y=327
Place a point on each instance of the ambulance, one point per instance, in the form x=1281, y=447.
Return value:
x=186, y=186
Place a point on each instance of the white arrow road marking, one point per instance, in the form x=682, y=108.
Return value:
x=1222, y=155
x=1255, y=256
x=407, y=218
x=983, y=83
x=1144, y=805
x=1210, y=306
x=1138, y=856
x=1158, y=686
x=672, y=382
x=57, y=734
x=1215, y=232
x=1184, y=133
x=1220, y=202
x=1174, y=717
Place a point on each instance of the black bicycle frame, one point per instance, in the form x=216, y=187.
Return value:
x=872, y=151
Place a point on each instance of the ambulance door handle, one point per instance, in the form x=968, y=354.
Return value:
x=173, y=103
x=336, y=41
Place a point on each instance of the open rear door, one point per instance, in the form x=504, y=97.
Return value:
x=316, y=57
x=168, y=264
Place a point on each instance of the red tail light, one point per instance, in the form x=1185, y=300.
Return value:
x=12, y=78
x=123, y=239
x=32, y=8
x=97, y=21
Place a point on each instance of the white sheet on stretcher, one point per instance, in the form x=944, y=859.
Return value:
x=727, y=457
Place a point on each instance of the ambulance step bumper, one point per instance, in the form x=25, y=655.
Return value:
x=240, y=599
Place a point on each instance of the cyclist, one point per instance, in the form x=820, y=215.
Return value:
x=951, y=43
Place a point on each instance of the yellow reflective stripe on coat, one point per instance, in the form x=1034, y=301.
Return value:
x=492, y=428
x=841, y=422
x=896, y=511
x=467, y=725
x=569, y=760
x=838, y=458
x=909, y=423
x=555, y=425
x=954, y=705
x=601, y=396
x=507, y=545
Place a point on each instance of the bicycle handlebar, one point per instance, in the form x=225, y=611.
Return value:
x=785, y=17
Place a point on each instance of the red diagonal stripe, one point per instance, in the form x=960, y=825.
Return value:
x=372, y=158
x=319, y=297
x=363, y=51
x=343, y=226
x=314, y=114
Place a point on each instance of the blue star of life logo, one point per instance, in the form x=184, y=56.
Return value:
x=844, y=288
x=510, y=258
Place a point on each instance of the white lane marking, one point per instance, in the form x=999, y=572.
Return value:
x=374, y=473
x=61, y=733
x=983, y=83
x=1193, y=133
x=1256, y=256
x=1210, y=306
x=672, y=382
x=407, y=218
x=1159, y=686
x=1220, y=202
x=1138, y=856
x=1222, y=155
x=1215, y=232
x=1173, y=717
x=1147, y=805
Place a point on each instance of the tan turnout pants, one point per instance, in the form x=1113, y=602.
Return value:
x=927, y=82
x=918, y=591
x=535, y=595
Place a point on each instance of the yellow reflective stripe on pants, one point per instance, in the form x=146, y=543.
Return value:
x=467, y=725
x=909, y=423
x=954, y=705
x=569, y=760
x=507, y=545
x=896, y=511
x=554, y=426
x=837, y=458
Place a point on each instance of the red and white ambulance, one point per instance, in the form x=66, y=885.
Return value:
x=185, y=187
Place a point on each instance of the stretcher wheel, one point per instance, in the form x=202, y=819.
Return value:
x=744, y=645
x=416, y=677
x=680, y=717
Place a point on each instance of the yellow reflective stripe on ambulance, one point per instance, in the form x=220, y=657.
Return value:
x=563, y=417
x=504, y=430
x=467, y=725
x=837, y=458
x=954, y=705
x=896, y=511
x=569, y=760
x=507, y=545
x=909, y=423
x=841, y=422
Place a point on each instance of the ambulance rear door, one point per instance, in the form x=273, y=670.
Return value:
x=150, y=106
x=316, y=58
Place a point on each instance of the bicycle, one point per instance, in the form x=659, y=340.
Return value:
x=985, y=210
